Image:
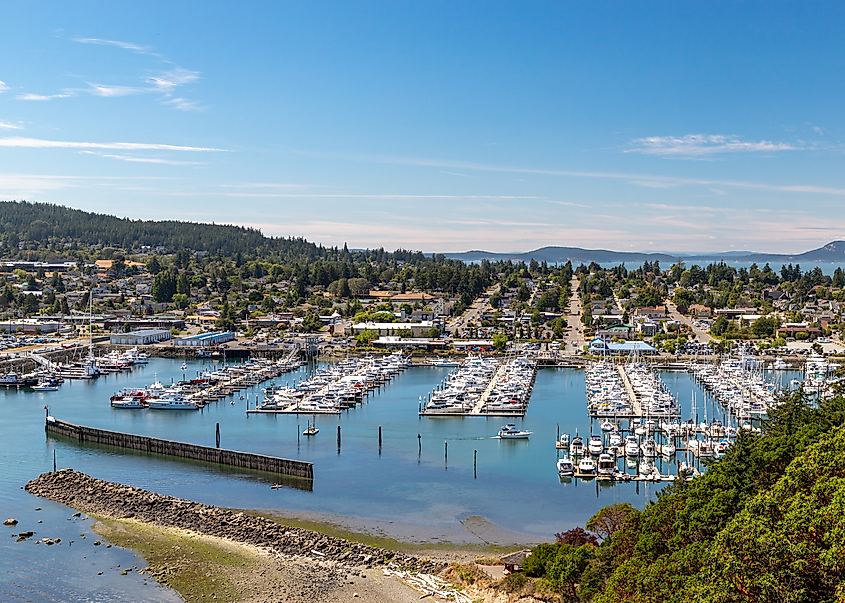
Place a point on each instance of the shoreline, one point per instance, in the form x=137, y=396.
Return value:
x=209, y=553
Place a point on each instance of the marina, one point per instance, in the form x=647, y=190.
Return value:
x=408, y=478
x=484, y=387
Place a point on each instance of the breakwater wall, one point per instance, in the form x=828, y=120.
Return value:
x=218, y=456
x=98, y=497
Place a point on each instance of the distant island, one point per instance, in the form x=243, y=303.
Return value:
x=833, y=252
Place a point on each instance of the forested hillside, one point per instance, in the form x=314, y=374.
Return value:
x=764, y=523
x=52, y=229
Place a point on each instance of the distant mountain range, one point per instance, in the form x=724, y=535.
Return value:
x=833, y=252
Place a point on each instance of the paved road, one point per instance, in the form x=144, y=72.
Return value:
x=473, y=314
x=700, y=334
x=575, y=335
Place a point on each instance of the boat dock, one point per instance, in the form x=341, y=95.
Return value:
x=484, y=387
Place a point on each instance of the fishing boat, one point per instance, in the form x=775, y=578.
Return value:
x=565, y=467
x=511, y=432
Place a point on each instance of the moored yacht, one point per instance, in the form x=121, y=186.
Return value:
x=171, y=401
x=565, y=467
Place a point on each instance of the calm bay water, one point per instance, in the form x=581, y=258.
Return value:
x=516, y=485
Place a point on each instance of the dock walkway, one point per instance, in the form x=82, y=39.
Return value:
x=635, y=400
x=482, y=400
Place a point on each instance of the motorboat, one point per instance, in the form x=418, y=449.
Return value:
x=606, y=464
x=129, y=402
x=171, y=401
x=565, y=467
x=780, y=365
x=576, y=448
x=587, y=466
x=632, y=446
x=606, y=425
x=445, y=364
x=564, y=441
x=311, y=430
x=668, y=449
x=615, y=440
x=649, y=448
x=45, y=386
x=596, y=446
x=184, y=366
x=510, y=432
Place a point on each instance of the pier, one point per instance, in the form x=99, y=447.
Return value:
x=217, y=456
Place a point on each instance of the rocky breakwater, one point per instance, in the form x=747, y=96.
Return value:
x=98, y=497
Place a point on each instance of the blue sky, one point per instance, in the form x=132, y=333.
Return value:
x=438, y=126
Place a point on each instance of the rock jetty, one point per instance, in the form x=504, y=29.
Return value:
x=98, y=497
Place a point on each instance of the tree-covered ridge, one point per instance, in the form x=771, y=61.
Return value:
x=765, y=523
x=43, y=227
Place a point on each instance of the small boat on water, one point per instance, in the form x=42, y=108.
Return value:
x=511, y=432
x=615, y=440
x=596, y=446
x=587, y=466
x=576, y=448
x=632, y=446
x=668, y=449
x=171, y=401
x=184, y=366
x=311, y=430
x=445, y=363
x=649, y=448
x=45, y=386
x=606, y=464
x=565, y=467
x=564, y=441
x=606, y=425
x=130, y=402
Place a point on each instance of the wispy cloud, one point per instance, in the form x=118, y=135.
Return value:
x=183, y=104
x=119, y=44
x=28, y=96
x=3, y=86
x=698, y=145
x=136, y=159
x=173, y=78
x=650, y=180
x=35, y=143
x=110, y=91
x=379, y=196
x=4, y=125
x=568, y=204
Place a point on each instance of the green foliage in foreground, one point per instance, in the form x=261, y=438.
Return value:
x=764, y=523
